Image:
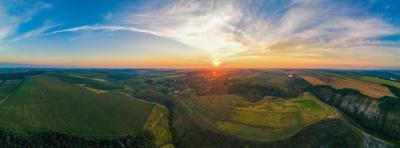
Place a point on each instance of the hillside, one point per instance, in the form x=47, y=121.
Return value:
x=41, y=105
x=197, y=108
x=269, y=119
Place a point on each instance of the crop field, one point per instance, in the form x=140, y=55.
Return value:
x=277, y=79
x=268, y=119
x=182, y=109
x=8, y=86
x=372, y=90
x=166, y=76
x=96, y=83
x=313, y=80
x=43, y=104
x=379, y=81
x=369, y=86
x=157, y=124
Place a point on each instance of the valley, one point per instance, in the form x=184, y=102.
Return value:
x=199, y=108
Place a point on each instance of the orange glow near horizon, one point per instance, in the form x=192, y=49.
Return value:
x=216, y=62
x=199, y=61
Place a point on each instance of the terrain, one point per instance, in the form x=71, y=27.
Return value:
x=199, y=108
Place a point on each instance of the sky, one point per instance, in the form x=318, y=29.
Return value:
x=359, y=34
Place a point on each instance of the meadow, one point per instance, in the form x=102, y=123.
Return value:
x=269, y=119
x=43, y=104
x=369, y=86
x=173, y=108
x=379, y=81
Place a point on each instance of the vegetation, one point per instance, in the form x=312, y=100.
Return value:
x=54, y=139
x=379, y=81
x=157, y=125
x=380, y=117
x=368, y=87
x=9, y=86
x=91, y=82
x=269, y=119
x=18, y=74
x=389, y=104
x=232, y=108
x=45, y=104
x=255, y=90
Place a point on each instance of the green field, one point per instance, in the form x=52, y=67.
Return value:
x=43, y=103
x=96, y=83
x=269, y=119
x=195, y=109
x=157, y=125
x=379, y=81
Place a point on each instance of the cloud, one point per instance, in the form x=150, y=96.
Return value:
x=102, y=27
x=229, y=28
x=9, y=23
x=207, y=25
x=33, y=33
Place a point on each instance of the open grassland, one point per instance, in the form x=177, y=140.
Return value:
x=313, y=80
x=379, y=81
x=96, y=83
x=369, y=86
x=166, y=76
x=269, y=119
x=255, y=87
x=369, y=89
x=276, y=79
x=12, y=75
x=8, y=86
x=87, y=77
x=46, y=104
x=157, y=125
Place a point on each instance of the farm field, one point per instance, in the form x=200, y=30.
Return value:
x=269, y=119
x=157, y=124
x=44, y=103
x=379, y=81
x=190, y=108
x=366, y=85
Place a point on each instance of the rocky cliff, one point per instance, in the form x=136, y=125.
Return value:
x=380, y=116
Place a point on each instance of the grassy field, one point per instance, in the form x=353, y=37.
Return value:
x=157, y=124
x=42, y=104
x=379, y=81
x=96, y=83
x=369, y=89
x=313, y=80
x=369, y=86
x=276, y=79
x=254, y=87
x=269, y=119
x=8, y=86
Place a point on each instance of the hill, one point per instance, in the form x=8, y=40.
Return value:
x=43, y=104
x=197, y=108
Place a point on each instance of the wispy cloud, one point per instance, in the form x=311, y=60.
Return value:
x=33, y=33
x=232, y=28
x=229, y=28
x=9, y=23
x=102, y=27
x=207, y=25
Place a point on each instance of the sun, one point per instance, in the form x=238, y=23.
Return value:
x=216, y=62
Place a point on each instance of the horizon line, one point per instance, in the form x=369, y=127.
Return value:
x=192, y=68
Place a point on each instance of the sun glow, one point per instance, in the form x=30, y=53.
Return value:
x=216, y=62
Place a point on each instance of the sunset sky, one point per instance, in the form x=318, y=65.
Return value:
x=201, y=33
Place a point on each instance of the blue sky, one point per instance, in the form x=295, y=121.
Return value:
x=185, y=33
